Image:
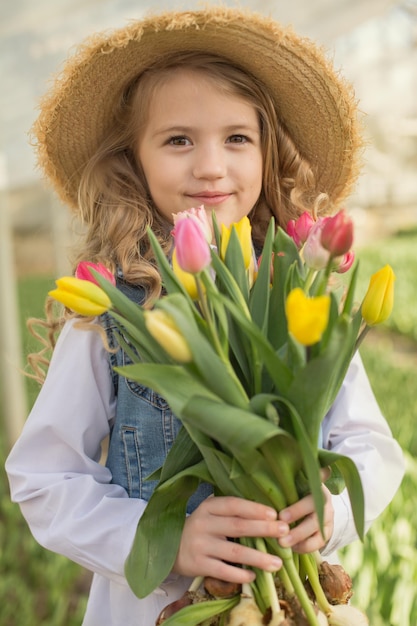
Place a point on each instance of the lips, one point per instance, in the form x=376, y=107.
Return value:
x=210, y=197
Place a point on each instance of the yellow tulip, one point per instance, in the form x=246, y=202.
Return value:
x=186, y=279
x=164, y=330
x=307, y=317
x=244, y=232
x=379, y=299
x=81, y=296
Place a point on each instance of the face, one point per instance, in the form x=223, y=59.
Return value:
x=201, y=146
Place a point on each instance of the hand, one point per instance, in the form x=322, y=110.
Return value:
x=306, y=536
x=206, y=551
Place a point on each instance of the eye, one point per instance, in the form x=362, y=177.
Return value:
x=237, y=139
x=179, y=140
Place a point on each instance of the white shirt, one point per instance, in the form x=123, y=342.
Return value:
x=72, y=508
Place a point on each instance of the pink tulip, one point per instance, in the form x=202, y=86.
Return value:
x=200, y=216
x=192, y=248
x=345, y=263
x=83, y=272
x=315, y=256
x=337, y=234
x=300, y=229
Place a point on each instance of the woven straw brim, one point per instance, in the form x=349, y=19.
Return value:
x=315, y=104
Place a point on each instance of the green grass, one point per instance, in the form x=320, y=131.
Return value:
x=38, y=587
x=400, y=253
x=384, y=567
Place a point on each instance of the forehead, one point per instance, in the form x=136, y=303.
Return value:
x=191, y=88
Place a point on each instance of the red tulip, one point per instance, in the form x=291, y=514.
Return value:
x=337, y=234
x=83, y=272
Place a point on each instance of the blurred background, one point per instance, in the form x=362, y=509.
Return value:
x=374, y=44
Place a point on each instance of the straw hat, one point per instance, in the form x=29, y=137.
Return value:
x=314, y=103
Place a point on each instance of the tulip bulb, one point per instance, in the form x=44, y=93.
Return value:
x=336, y=583
x=174, y=607
x=246, y=612
x=347, y=615
x=221, y=588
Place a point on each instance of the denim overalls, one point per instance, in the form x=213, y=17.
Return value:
x=144, y=428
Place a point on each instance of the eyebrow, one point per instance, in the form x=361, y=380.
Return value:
x=181, y=129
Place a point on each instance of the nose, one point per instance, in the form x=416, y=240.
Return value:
x=209, y=163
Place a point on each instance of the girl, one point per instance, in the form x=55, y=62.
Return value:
x=219, y=108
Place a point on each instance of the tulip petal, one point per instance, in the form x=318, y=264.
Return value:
x=83, y=272
x=193, y=251
x=307, y=317
x=164, y=330
x=244, y=232
x=379, y=299
x=81, y=296
x=187, y=280
x=337, y=234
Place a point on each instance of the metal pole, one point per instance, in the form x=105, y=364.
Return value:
x=13, y=393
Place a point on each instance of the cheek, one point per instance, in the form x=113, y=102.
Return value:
x=255, y=174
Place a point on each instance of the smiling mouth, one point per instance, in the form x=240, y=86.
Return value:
x=211, y=197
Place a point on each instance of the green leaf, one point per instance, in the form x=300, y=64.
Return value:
x=172, y=382
x=234, y=261
x=196, y=614
x=286, y=459
x=277, y=369
x=351, y=476
x=262, y=405
x=285, y=255
x=350, y=296
x=169, y=279
x=259, y=297
x=215, y=371
x=219, y=465
x=239, y=432
x=121, y=303
x=227, y=283
x=147, y=348
x=157, y=537
x=315, y=387
x=183, y=453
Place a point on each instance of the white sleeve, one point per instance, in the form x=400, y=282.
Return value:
x=64, y=492
x=356, y=428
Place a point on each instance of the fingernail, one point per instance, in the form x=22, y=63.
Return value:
x=285, y=515
x=271, y=514
x=275, y=563
x=285, y=542
x=283, y=528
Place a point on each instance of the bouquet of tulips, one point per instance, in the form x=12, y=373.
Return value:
x=250, y=351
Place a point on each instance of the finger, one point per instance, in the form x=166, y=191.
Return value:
x=298, y=510
x=305, y=531
x=239, y=507
x=311, y=544
x=236, y=553
x=325, y=473
x=236, y=527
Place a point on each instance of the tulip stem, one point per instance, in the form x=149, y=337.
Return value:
x=301, y=593
x=196, y=584
x=309, y=280
x=310, y=569
x=362, y=336
x=325, y=279
x=268, y=582
x=222, y=352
